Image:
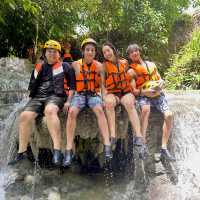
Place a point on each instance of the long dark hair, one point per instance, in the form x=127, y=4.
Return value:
x=116, y=54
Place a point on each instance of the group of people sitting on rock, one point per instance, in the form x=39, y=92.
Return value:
x=56, y=85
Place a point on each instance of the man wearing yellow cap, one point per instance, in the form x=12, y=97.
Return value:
x=47, y=96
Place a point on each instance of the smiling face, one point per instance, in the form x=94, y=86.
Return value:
x=89, y=52
x=108, y=53
x=134, y=55
x=52, y=55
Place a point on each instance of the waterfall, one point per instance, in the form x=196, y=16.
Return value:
x=186, y=143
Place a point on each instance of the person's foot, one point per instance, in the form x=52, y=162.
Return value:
x=57, y=157
x=138, y=141
x=166, y=155
x=108, y=152
x=113, y=141
x=68, y=156
x=142, y=148
x=21, y=163
x=143, y=151
x=19, y=158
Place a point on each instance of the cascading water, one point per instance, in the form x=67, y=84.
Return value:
x=186, y=143
x=13, y=85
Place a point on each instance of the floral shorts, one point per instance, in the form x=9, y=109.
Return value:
x=160, y=103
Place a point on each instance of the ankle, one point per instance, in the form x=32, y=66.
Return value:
x=21, y=152
x=68, y=149
x=107, y=143
x=113, y=136
x=164, y=147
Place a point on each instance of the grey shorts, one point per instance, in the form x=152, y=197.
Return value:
x=38, y=104
x=80, y=101
x=160, y=103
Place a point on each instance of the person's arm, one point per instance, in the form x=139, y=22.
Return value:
x=133, y=76
x=71, y=78
x=161, y=81
x=71, y=81
x=34, y=76
x=101, y=71
x=158, y=77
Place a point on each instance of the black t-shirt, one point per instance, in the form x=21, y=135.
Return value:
x=45, y=87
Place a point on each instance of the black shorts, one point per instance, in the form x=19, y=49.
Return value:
x=38, y=104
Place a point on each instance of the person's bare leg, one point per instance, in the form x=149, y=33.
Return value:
x=53, y=124
x=167, y=125
x=110, y=103
x=145, y=112
x=103, y=126
x=102, y=122
x=165, y=137
x=70, y=130
x=25, y=127
x=128, y=101
x=71, y=125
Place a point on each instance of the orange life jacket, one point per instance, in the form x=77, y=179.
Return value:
x=88, y=79
x=117, y=78
x=145, y=73
x=57, y=68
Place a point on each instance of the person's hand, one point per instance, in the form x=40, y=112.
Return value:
x=136, y=92
x=159, y=87
x=103, y=101
x=149, y=92
x=66, y=107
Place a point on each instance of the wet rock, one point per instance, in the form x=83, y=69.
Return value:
x=25, y=198
x=14, y=177
x=157, y=157
x=14, y=64
x=53, y=195
x=47, y=191
x=29, y=179
x=159, y=169
x=157, y=187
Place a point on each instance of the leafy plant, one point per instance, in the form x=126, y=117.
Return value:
x=184, y=72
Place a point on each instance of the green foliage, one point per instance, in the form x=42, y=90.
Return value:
x=147, y=22
x=17, y=26
x=185, y=69
x=180, y=32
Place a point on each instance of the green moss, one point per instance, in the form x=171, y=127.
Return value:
x=184, y=72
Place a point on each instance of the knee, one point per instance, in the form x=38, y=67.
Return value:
x=50, y=110
x=168, y=115
x=109, y=104
x=130, y=105
x=72, y=114
x=145, y=111
x=99, y=111
x=26, y=117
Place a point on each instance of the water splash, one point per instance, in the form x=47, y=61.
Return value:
x=186, y=143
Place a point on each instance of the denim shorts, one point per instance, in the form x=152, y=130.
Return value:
x=81, y=101
x=160, y=103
